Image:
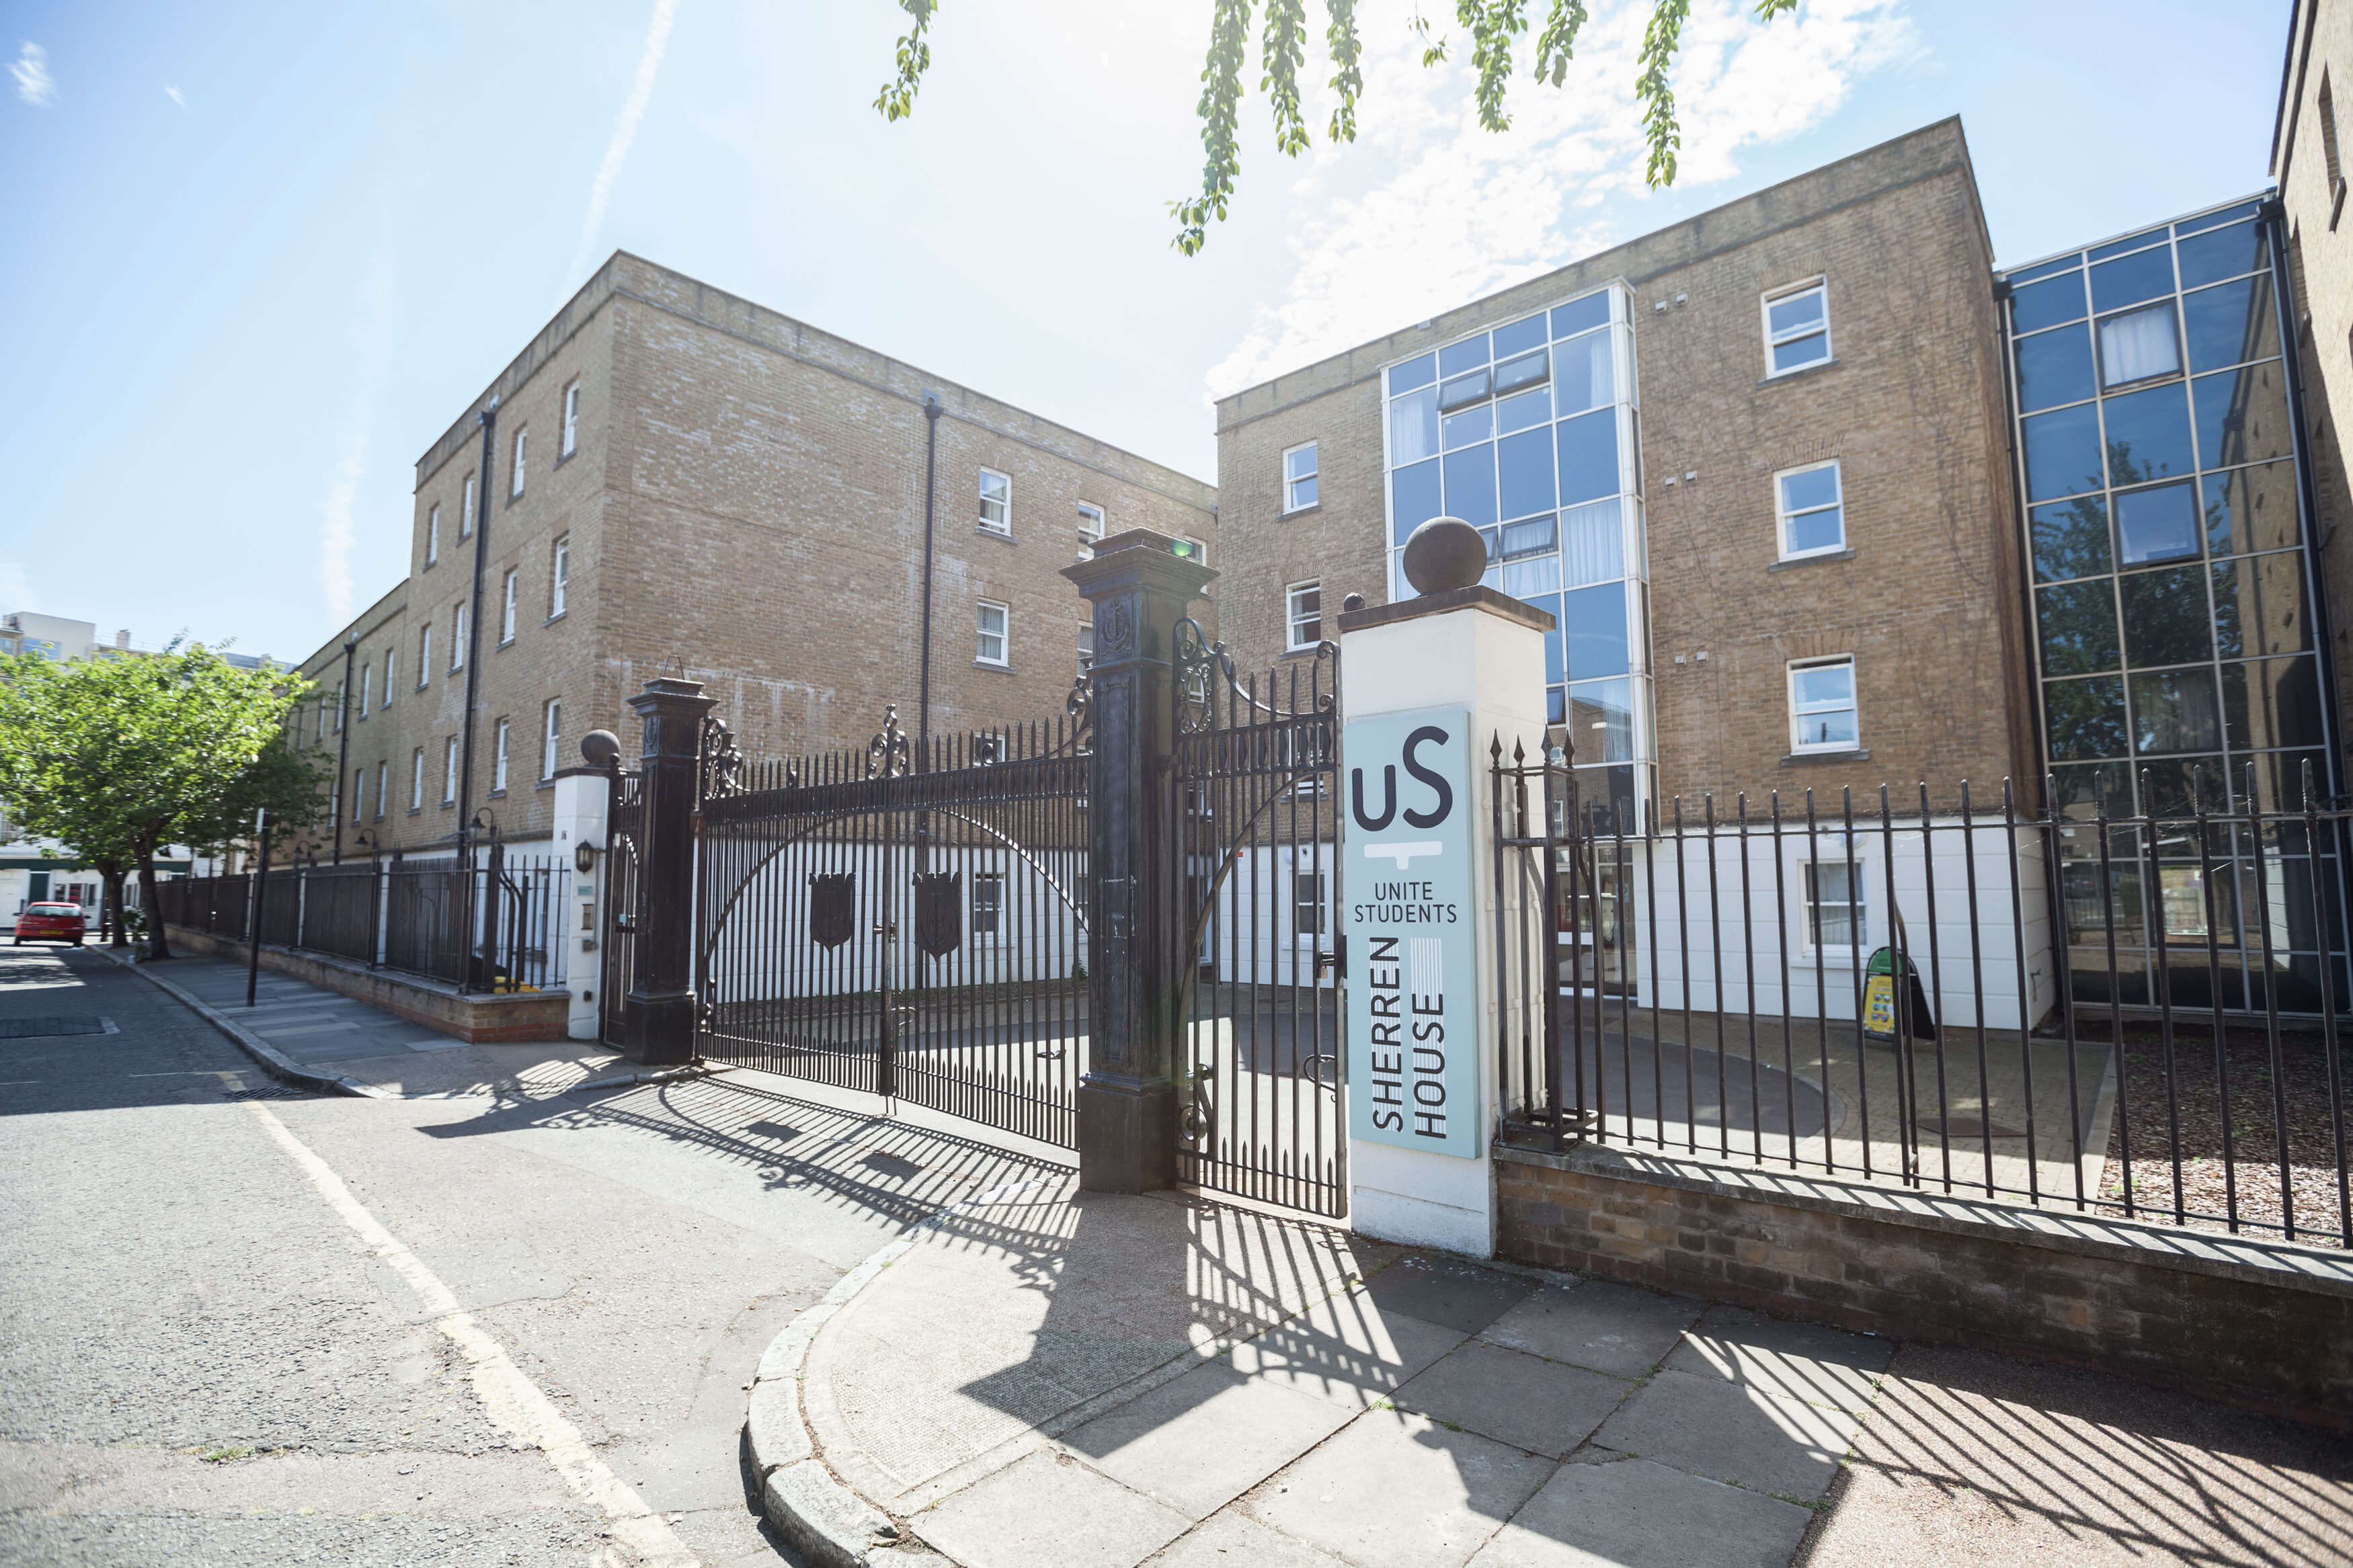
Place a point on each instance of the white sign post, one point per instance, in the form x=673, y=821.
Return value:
x=1429, y=684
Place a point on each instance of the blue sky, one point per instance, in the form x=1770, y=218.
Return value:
x=257, y=257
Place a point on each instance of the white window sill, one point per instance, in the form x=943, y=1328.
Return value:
x=1843, y=553
x=1828, y=755
x=1004, y=533
x=1796, y=370
x=992, y=664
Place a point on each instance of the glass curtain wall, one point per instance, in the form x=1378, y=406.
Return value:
x=2173, y=610
x=1528, y=432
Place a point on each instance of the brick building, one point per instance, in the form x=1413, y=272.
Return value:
x=670, y=476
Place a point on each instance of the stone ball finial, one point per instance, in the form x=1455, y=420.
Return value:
x=601, y=747
x=1443, y=553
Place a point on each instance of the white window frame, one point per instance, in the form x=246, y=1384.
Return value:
x=506, y=592
x=433, y=534
x=994, y=932
x=1772, y=340
x=417, y=781
x=1309, y=935
x=521, y=436
x=449, y=769
x=550, y=726
x=1293, y=620
x=424, y=655
x=367, y=686
x=466, y=516
x=499, y=764
x=1004, y=634
x=359, y=793
x=457, y=636
x=391, y=665
x=1858, y=905
x=1200, y=555
x=559, y=576
x=1086, y=647
x=1854, y=696
x=1782, y=515
x=382, y=786
x=1094, y=523
x=571, y=418
x=1004, y=503
x=1291, y=481
x=339, y=708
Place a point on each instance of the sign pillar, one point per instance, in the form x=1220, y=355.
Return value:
x=1138, y=587
x=582, y=795
x=1430, y=681
x=661, y=1000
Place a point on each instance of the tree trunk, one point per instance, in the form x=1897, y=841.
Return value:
x=156, y=949
x=114, y=879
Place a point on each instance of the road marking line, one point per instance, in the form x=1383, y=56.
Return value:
x=512, y=1401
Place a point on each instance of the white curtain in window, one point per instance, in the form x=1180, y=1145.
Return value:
x=2139, y=344
x=1593, y=544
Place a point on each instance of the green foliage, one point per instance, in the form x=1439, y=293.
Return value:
x=121, y=757
x=897, y=98
x=1494, y=26
x=292, y=782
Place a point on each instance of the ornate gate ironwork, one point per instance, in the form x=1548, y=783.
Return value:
x=812, y=876
x=1252, y=803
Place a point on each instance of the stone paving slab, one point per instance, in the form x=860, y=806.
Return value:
x=328, y=1031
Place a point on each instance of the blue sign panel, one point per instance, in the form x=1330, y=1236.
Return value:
x=1413, y=984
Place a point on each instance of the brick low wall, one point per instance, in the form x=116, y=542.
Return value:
x=2259, y=1323
x=479, y=1020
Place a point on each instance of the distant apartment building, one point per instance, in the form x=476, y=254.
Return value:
x=671, y=479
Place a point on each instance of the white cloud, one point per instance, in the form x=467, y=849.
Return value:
x=174, y=94
x=31, y=69
x=372, y=330
x=625, y=131
x=1427, y=211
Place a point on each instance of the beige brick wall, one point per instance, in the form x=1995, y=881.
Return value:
x=2320, y=222
x=1911, y=406
x=746, y=501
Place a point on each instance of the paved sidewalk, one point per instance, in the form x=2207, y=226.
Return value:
x=329, y=1031
x=1046, y=1379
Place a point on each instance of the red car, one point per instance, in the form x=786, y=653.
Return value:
x=52, y=923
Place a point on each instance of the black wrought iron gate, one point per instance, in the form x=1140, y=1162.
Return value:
x=624, y=820
x=907, y=925
x=1252, y=801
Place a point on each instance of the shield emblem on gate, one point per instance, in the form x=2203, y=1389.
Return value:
x=832, y=908
x=939, y=912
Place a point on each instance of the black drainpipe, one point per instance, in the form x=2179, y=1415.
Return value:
x=930, y=491
x=490, y=418
x=343, y=741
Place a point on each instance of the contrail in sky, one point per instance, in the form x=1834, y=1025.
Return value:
x=625, y=131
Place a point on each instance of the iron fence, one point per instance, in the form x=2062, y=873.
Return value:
x=2132, y=1015
x=340, y=912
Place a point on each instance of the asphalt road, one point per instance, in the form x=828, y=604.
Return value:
x=300, y=1328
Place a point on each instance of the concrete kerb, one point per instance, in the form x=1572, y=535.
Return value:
x=830, y=1521
x=272, y=1062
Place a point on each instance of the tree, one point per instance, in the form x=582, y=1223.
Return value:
x=1494, y=26
x=120, y=757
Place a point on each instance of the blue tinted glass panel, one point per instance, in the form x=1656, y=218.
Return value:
x=1582, y=373
x=1519, y=337
x=2078, y=626
x=1588, y=457
x=2129, y=242
x=2259, y=606
x=2166, y=620
x=1413, y=427
x=2232, y=323
x=2242, y=415
x=2220, y=214
x=2272, y=702
x=2221, y=253
x=1601, y=724
x=2044, y=269
x=1471, y=424
x=1528, y=370
x=1528, y=408
x=2149, y=435
x=1468, y=355
x=2158, y=525
x=2071, y=539
x=2039, y=305
x=2062, y=452
x=1593, y=631
x=1470, y=484
x=2132, y=278
x=2086, y=718
x=1523, y=538
x=1579, y=315
x=2054, y=368
x=1462, y=389
x=1550, y=605
x=1413, y=373
x=1413, y=498
x=1527, y=462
